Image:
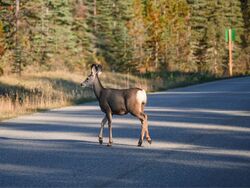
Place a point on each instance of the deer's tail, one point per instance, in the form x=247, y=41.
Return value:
x=141, y=96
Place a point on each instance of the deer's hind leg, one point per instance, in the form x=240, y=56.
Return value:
x=146, y=125
x=148, y=138
x=143, y=118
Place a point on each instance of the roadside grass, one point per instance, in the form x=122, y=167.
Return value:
x=169, y=80
x=46, y=90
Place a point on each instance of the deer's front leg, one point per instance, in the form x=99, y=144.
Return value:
x=104, y=120
x=109, y=116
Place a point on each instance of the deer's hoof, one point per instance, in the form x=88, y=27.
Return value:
x=109, y=144
x=149, y=141
x=139, y=143
x=100, y=141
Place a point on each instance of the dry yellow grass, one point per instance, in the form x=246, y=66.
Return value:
x=46, y=90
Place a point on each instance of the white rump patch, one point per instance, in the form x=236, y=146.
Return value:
x=141, y=96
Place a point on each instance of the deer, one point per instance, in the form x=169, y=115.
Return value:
x=118, y=102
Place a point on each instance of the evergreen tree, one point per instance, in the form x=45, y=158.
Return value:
x=215, y=36
x=209, y=19
x=6, y=15
x=84, y=36
x=36, y=13
x=132, y=35
x=198, y=43
x=122, y=47
x=137, y=32
x=62, y=37
x=244, y=59
x=111, y=35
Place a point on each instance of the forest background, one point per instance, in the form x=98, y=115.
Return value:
x=46, y=46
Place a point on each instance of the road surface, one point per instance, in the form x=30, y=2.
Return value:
x=201, y=137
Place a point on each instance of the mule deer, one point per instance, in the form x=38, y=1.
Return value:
x=118, y=102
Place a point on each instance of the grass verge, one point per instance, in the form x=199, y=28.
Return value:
x=46, y=90
x=38, y=92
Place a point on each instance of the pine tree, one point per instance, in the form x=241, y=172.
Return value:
x=37, y=31
x=104, y=35
x=209, y=21
x=245, y=55
x=63, y=39
x=137, y=32
x=84, y=36
x=7, y=30
x=111, y=35
x=215, y=37
x=198, y=43
x=132, y=35
x=122, y=47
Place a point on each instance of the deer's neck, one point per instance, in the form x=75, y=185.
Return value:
x=97, y=87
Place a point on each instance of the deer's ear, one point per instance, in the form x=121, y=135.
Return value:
x=93, y=69
x=96, y=69
x=99, y=69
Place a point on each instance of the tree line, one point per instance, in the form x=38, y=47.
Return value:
x=126, y=36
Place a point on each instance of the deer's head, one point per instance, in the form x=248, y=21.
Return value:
x=96, y=70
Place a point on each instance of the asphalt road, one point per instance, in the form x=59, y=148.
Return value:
x=201, y=137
